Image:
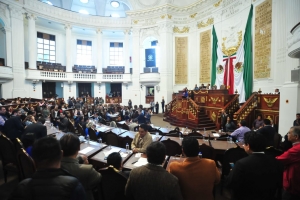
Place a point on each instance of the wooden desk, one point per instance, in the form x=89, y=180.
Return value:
x=99, y=159
x=130, y=134
x=104, y=128
x=118, y=131
x=52, y=130
x=156, y=137
x=165, y=130
x=174, y=159
x=90, y=149
x=129, y=164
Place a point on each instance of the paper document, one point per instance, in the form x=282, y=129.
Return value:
x=86, y=150
x=94, y=143
x=216, y=134
x=123, y=155
x=140, y=162
x=110, y=151
x=138, y=155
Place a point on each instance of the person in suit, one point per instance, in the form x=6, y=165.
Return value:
x=3, y=117
x=156, y=107
x=114, y=160
x=141, y=140
x=85, y=173
x=291, y=161
x=229, y=125
x=152, y=181
x=258, y=123
x=192, y=181
x=297, y=121
x=141, y=117
x=163, y=105
x=224, y=116
x=13, y=127
x=268, y=131
x=63, y=122
x=256, y=176
x=38, y=129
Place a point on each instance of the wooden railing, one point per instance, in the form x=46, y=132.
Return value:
x=233, y=105
x=170, y=107
x=194, y=109
x=246, y=110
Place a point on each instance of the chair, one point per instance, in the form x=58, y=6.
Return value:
x=8, y=156
x=18, y=144
x=136, y=128
x=154, y=131
x=124, y=141
x=274, y=152
x=111, y=139
x=172, y=147
x=26, y=163
x=173, y=133
x=277, y=140
x=92, y=134
x=207, y=151
x=112, y=184
x=125, y=127
x=195, y=135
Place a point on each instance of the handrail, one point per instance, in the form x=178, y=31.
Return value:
x=169, y=106
x=232, y=105
x=193, y=108
x=246, y=108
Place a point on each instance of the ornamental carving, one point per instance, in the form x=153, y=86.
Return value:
x=213, y=116
x=193, y=15
x=202, y=24
x=270, y=101
x=218, y=3
x=183, y=30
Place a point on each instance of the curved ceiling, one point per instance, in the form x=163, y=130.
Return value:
x=105, y=8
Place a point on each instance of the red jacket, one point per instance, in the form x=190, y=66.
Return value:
x=291, y=174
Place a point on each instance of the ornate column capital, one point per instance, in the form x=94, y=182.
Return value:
x=30, y=16
x=135, y=31
x=5, y=29
x=126, y=31
x=68, y=27
x=99, y=31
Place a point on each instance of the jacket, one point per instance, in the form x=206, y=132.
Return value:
x=49, y=184
x=141, y=143
x=197, y=177
x=291, y=173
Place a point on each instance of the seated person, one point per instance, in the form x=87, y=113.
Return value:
x=49, y=180
x=141, y=140
x=258, y=123
x=229, y=126
x=240, y=132
x=268, y=131
x=90, y=124
x=114, y=160
x=185, y=93
x=85, y=173
x=196, y=87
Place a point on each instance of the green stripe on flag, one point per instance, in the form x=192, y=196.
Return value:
x=214, y=57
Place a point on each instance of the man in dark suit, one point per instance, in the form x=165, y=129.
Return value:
x=257, y=176
x=13, y=127
x=152, y=181
x=38, y=129
x=223, y=119
x=268, y=131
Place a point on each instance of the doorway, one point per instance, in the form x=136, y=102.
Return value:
x=48, y=89
x=84, y=89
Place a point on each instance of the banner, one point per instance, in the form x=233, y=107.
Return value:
x=150, y=57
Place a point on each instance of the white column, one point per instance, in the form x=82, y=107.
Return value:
x=126, y=51
x=136, y=90
x=99, y=50
x=7, y=32
x=31, y=40
x=69, y=51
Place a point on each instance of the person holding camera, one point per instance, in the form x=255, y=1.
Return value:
x=63, y=122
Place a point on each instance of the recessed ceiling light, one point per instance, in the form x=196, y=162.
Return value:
x=115, y=15
x=84, y=12
x=84, y=1
x=115, y=4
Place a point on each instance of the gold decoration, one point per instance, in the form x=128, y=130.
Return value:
x=214, y=100
x=270, y=101
x=231, y=50
x=202, y=24
x=183, y=30
x=169, y=16
x=218, y=3
x=193, y=15
x=213, y=116
x=163, y=16
x=202, y=100
x=135, y=21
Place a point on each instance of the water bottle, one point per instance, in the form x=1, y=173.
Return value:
x=200, y=154
x=100, y=140
x=88, y=138
x=230, y=139
x=127, y=147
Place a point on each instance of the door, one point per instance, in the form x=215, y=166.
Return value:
x=48, y=89
x=84, y=89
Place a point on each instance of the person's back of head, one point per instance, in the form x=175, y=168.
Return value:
x=243, y=122
x=41, y=120
x=156, y=153
x=267, y=122
x=70, y=144
x=115, y=160
x=256, y=142
x=190, y=146
x=46, y=153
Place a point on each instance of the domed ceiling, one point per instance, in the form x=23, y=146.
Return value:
x=113, y=8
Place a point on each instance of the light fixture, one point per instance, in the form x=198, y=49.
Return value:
x=85, y=12
x=115, y=4
x=115, y=15
x=84, y=1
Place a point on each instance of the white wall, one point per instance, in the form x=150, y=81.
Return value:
x=2, y=45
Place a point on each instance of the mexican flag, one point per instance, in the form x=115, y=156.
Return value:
x=234, y=71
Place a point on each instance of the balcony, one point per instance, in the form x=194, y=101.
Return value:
x=32, y=74
x=294, y=42
x=6, y=72
x=150, y=79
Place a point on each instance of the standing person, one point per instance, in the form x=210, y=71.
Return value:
x=291, y=161
x=297, y=121
x=3, y=117
x=13, y=127
x=224, y=116
x=257, y=176
x=152, y=181
x=156, y=107
x=163, y=105
x=49, y=181
x=192, y=181
x=129, y=103
x=268, y=131
x=152, y=105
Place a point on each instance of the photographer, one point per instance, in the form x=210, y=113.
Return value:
x=63, y=122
